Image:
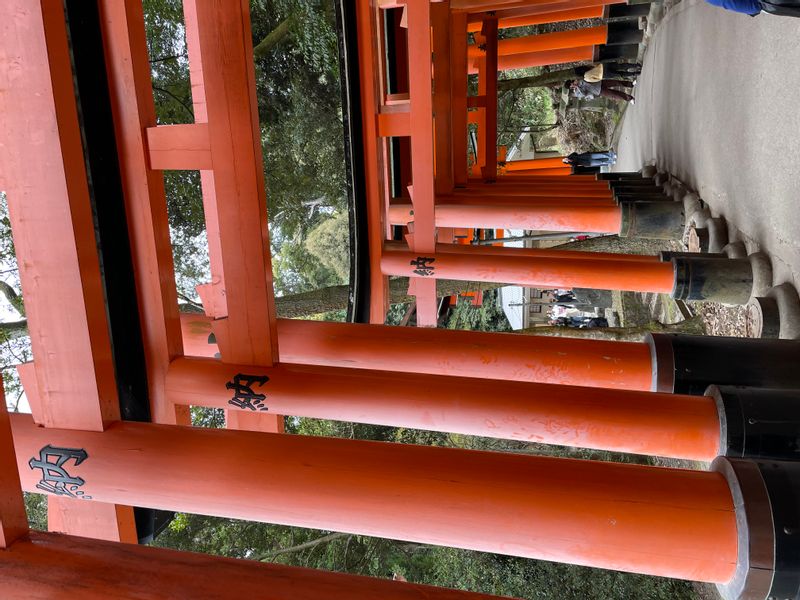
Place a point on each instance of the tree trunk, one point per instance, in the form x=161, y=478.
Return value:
x=273, y=38
x=543, y=80
x=336, y=297
x=270, y=556
x=13, y=298
x=620, y=334
x=13, y=329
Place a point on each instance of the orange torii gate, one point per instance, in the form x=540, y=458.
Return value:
x=726, y=526
x=709, y=526
x=607, y=208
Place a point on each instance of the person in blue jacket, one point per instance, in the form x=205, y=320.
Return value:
x=786, y=8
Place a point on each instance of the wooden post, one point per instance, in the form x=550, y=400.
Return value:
x=552, y=215
x=501, y=356
x=634, y=518
x=672, y=425
x=546, y=272
x=58, y=566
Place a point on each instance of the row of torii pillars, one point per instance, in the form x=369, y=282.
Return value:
x=732, y=525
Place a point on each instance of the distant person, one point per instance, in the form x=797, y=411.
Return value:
x=782, y=8
x=591, y=89
x=601, y=71
x=594, y=322
x=591, y=159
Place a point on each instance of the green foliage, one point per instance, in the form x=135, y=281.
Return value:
x=15, y=345
x=488, y=317
x=295, y=269
x=36, y=507
x=521, y=108
x=419, y=563
x=329, y=242
x=299, y=105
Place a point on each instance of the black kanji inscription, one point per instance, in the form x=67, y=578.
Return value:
x=243, y=395
x=55, y=478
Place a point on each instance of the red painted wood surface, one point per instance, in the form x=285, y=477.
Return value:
x=145, y=203
x=575, y=38
x=442, y=98
x=505, y=357
x=235, y=142
x=422, y=150
x=53, y=229
x=179, y=147
x=676, y=426
x=41, y=160
x=564, y=171
x=539, y=59
x=50, y=566
x=500, y=250
x=369, y=69
x=489, y=133
x=458, y=80
x=96, y=520
x=521, y=7
x=13, y=519
x=651, y=520
x=542, y=273
x=591, y=12
x=555, y=216
x=239, y=297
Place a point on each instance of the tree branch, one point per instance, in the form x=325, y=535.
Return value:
x=14, y=329
x=163, y=58
x=304, y=546
x=272, y=39
x=174, y=97
x=13, y=298
x=191, y=303
x=335, y=297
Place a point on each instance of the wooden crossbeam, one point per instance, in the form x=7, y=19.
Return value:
x=72, y=383
x=179, y=147
x=13, y=520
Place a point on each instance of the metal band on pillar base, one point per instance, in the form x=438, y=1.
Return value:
x=608, y=53
x=688, y=364
x=653, y=220
x=699, y=278
x=634, y=175
x=643, y=194
x=757, y=423
x=766, y=496
x=635, y=184
x=668, y=255
x=627, y=11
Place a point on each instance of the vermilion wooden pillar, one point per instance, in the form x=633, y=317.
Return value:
x=514, y=193
x=534, y=163
x=559, y=171
x=541, y=58
x=632, y=518
x=553, y=215
x=500, y=356
x=672, y=425
x=57, y=566
x=521, y=6
x=489, y=131
x=574, y=38
x=557, y=16
x=547, y=273
x=43, y=172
